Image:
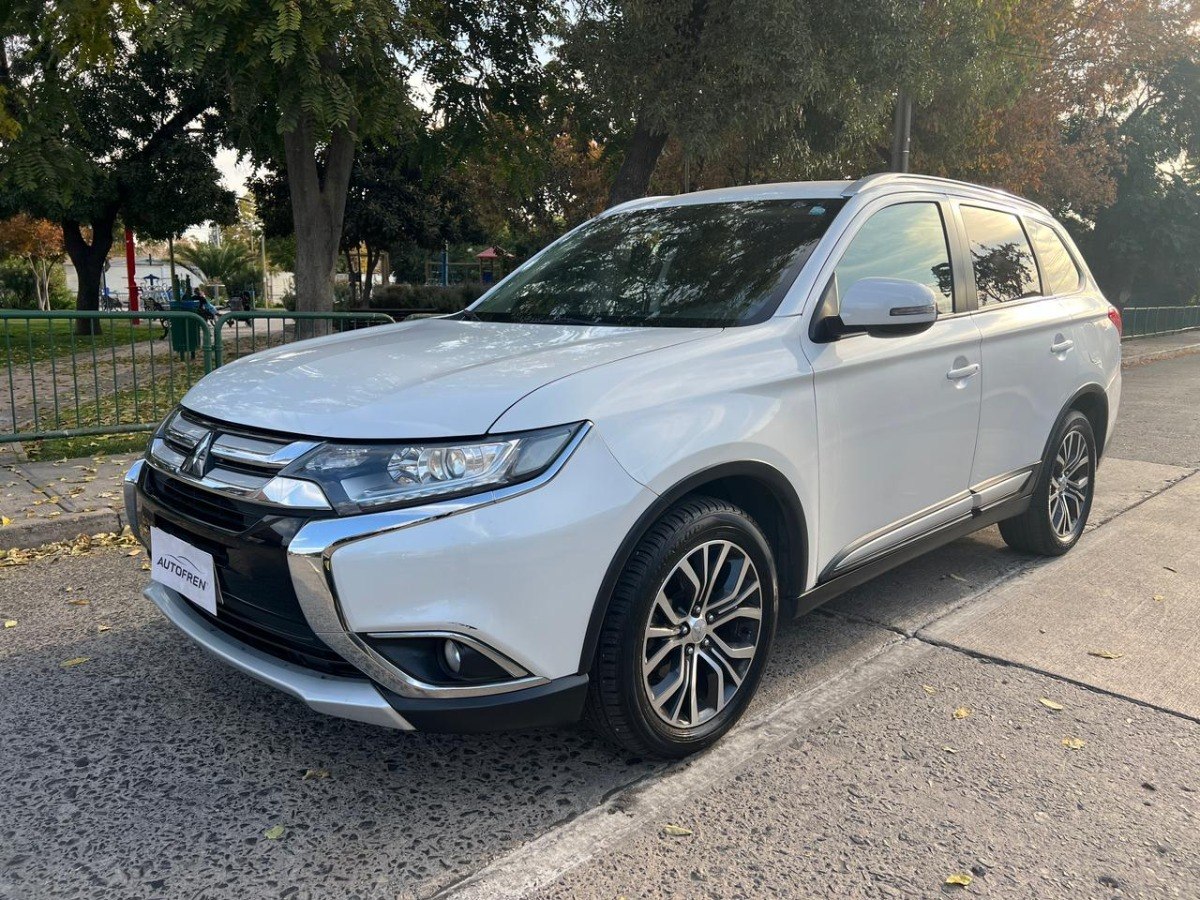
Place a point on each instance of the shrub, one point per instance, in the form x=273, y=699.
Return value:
x=426, y=297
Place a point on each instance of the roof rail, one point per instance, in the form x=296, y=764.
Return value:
x=883, y=179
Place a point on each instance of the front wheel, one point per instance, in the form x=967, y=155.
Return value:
x=687, y=633
x=1062, y=498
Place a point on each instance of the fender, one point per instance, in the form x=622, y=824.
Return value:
x=1088, y=390
x=791, y=570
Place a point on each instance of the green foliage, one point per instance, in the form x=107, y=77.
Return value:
x=287, y=63
x=231, y=263
x=425, y=297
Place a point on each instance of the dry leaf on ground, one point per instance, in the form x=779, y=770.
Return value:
x=310, y=774
x=1073, y=743
x=74, y=661
x=10, y=623
x=962, y=712
x=1106, y=654
x=949, y=749
x=1049, y=704
x=962, y=879
x=677, y=831
x=1159, y=598
x=274, y=833
x=929, y=689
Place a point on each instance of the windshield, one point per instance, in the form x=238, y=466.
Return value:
x=708, y=265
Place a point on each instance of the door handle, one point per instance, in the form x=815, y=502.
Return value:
x=962, y=372
x=1061, y=346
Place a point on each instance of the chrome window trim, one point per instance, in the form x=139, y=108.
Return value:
x=310, y=560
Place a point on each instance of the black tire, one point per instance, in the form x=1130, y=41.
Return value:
x=1035, y=531
x=619, y=706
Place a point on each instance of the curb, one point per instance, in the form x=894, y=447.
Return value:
x=1167, y=353
x=33, y=533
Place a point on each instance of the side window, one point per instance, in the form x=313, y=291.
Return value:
x=1000, y=255
x=903, y=241
x=1058, y=265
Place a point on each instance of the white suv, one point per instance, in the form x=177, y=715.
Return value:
x=597, y=490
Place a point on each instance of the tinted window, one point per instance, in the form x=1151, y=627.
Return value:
x=1059, y=271
x=1001, y=256
x=712, y=264
x=906, y=241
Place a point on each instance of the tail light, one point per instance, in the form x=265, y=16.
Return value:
x=1114, y=316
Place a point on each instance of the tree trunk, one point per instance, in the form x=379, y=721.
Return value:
x=638, y=164
x=89, y=260
x=318, y=209
x=368, y=276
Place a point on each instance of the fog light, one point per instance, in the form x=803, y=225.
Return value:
x=453, y=656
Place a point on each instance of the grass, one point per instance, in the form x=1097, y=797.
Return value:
x=23, y=340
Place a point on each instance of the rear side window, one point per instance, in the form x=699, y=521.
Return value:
x=1059, y=272
x=1000, y=255
x=904, y=241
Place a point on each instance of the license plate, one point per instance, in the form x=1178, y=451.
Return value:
x=184, y=568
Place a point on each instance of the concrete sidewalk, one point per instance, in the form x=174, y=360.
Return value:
x=44, y=502
x=1010, y=751
x=1137, y=351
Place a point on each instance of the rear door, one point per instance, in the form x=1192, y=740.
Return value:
x=1029, y=372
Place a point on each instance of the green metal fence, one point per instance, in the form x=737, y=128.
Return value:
x=239, y=333
x=60, y=380
x=1144, y=321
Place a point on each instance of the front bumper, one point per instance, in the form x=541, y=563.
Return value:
x=515, y=571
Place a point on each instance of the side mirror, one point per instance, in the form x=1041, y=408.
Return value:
x=888, y=306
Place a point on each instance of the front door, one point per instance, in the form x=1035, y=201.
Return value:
x=897, y=417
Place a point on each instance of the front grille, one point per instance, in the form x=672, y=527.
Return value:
x=197, y=503
x=257, y=603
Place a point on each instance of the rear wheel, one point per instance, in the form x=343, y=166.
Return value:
x=1062, y=498
x=687, y=632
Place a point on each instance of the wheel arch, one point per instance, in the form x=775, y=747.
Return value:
x=761, y=490
x=1092, y=401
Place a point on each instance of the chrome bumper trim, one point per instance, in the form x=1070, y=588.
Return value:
x=349, y=698
x=130, y=486
x=310, y=559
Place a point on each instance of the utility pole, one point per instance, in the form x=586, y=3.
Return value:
x=901, y=131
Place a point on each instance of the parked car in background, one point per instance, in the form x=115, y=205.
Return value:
x=596, y=491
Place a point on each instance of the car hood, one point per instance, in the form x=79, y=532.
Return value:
x=427, y=379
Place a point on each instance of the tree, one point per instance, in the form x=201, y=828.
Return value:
x=100, y=130
x=403, y=192
x=231, y=263
x=39, y=244
x=710, y=74
x=309, y=80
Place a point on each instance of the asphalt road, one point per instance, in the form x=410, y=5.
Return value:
x=150, y=770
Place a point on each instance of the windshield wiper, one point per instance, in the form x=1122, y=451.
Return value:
x=559, y=320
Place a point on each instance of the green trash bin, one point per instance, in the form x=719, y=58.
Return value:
x=185, y=333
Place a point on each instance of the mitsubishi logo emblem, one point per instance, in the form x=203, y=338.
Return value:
x=197, y=464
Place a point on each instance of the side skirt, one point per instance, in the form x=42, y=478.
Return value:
x=952, y=531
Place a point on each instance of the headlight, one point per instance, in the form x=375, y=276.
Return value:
x=371, y=476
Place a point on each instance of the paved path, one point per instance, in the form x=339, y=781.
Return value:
x=150, y=770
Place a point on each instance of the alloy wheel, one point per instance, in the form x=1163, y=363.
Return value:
x=1070, y=482
x=702, y=634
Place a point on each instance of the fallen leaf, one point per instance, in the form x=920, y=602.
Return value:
x=1159, y=598
x=5, y=520
x=1105, y=654
x=134, y=552
x=962, y=712
x=103, y=627
x=949, y=749
x=677, y=831
x=274, y=833
x=10, y=623
x=959, y=578
x=74, y=661
x=1169, y=569
x=962, y=879
x=80, y=602
x=929, y=689
x=1049, y=704
x=1073, y=743
x=310, y=774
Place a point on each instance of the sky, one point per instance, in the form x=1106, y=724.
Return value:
x=233, y=174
